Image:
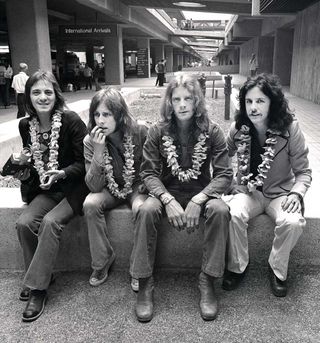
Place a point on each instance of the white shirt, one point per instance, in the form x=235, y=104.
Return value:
x=19, y=82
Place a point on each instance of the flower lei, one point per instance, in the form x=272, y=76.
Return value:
x=53, y=145
x=267, y=157
x=128, y=170
x=198, y=157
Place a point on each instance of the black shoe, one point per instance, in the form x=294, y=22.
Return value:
x=232, y=280
x=208, y=298
x=144, y=305
x=279, y=288
x=25, y=293
x=35, y=305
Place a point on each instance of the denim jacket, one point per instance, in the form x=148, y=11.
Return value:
x=289, y=170
x=216, y=174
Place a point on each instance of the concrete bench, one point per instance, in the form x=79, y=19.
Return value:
x=176, y=250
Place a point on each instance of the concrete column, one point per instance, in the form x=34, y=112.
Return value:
x=113, y=59
x=282, y=56
x=90, y=55
x=265, y=54
x=169, y=58
x=159, y=53
x=29, y=34
x=144, y=43
x=133, y=59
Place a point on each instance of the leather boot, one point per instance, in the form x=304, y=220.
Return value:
x=208, y=298
x=144, y=305
x=35, y=305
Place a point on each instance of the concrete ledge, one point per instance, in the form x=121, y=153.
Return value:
x=176, y=250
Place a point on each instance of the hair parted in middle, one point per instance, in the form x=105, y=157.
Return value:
x=191, y=83
x=117, y=105
x=279, y=117
x=46, y=76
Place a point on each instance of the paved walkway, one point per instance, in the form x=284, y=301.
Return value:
x=77, y=312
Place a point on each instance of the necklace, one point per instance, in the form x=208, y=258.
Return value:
x=53, y=145
x=243, y=154
x=198, y=157
x=128, y=170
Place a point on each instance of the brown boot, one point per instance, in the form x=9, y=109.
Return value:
x=144, y=305
x=208, y=298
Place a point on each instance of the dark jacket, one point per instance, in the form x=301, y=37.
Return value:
x=95, y=177
x=70, y=158
x=216, y=174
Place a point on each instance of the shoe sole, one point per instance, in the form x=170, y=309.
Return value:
x=207, y=319
x=31, y=319
x=134, y=287
x=144, y=320
x=23, y=298
x=100, y=282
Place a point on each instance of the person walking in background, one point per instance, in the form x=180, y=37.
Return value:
x=161, y=72
x=273, y=176
x=186, y=169
x=3, y=85
x=253, y=65
x=202, y=81
x=96, y=74
x=87, y=74
x=113, y=153
x=156, y=69
x=57, y=189
x=18, y=84
x=8, y=76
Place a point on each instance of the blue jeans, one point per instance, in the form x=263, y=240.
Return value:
x=94, y=207
x=150, y=213
x=39, y=230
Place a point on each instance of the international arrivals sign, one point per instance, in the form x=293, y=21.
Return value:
x=102, y=30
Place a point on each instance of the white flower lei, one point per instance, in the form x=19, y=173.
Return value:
x=53, y=145
x=198, y=157
x=267, y=157
x=128, y=170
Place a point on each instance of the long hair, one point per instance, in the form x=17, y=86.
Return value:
x=116, y=104
x=192, y=85
x=46, y=76
x=279, y=116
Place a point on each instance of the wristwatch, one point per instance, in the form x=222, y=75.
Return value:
x=165, y=198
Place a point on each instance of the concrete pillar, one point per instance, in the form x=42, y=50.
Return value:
x=133, y=59
x=90, y=55
x=144, y=43
x=169, y=58
x=175, y=60
x=282, y=56
x=265, y=54
x=29, y=34
x=159, y=53
x=113, y=59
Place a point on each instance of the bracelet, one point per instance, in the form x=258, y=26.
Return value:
x=197, y=203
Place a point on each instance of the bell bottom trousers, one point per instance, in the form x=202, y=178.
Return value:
x=288, y=228
x=94, y=207
x=216, y=214
x=39, y=231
